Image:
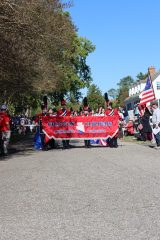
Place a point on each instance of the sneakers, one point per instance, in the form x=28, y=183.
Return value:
x=157, y=148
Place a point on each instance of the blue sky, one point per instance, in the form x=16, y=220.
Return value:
x=126, y=34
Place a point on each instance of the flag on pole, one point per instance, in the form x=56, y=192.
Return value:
x=148, y=93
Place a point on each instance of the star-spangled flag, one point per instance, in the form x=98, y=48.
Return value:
x=148, y=93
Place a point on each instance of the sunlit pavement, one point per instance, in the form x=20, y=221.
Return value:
x=81, y=194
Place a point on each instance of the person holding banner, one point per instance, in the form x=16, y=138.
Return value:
x=62, y=113
x=112, y=142
x=51, y=113
x=85, y=114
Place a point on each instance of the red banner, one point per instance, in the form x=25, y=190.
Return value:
x=90, y=127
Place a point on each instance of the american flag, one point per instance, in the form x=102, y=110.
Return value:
x=148, y=93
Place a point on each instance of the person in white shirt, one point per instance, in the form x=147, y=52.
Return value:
x=156, y=122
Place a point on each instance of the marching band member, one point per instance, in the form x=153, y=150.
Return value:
x=51, y=113
x=62, y=113
x=112, y=142
x=86, y=112
x=5, y=132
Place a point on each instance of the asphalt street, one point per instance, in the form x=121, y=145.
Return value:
x=81, y=194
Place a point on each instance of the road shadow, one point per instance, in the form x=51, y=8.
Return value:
x=26, y=148
x=83, y=147
x=20, y=148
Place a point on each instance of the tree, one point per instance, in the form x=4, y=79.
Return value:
x=124, y=85
x=141, y=76
x=95, y=98
x=33, y=36
x=125, y=82
x=77, y=72
x=40, y=51
x=112, y=93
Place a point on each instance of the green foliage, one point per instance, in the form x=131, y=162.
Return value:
x=123, y=94
x=40, y=52
x=112, y=93
x=123, y=90
x=125, y=82
x=77, y=72
x=95, y=97
x=141, y=76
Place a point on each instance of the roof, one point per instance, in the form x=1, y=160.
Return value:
x=155, y=75
x=134, y=97
x=138, y=82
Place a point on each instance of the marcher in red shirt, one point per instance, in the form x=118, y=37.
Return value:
x=62, y=113
x=5, y=132
x=112, y=142
x=86, y=112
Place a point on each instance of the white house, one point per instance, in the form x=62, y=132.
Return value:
x=156, y=85
x=139, y=86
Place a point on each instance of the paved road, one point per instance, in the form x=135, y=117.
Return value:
x=81, y=194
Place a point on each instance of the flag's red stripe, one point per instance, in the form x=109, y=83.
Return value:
x=148, y=96
x=147, y=100
x=147, y=92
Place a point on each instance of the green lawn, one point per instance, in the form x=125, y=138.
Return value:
x=134, y=140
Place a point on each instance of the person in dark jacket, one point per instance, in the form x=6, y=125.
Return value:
x=146, y=131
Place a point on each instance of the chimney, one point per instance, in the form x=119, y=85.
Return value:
x=151, y=70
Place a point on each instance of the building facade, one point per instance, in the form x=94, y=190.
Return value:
x=139, y=86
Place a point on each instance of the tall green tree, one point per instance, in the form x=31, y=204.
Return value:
x=141, y=76
x=40, y=51
x=123, y=89
x=112, y=93
x=33, y=36
x=77, y=72
x=95, y=97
